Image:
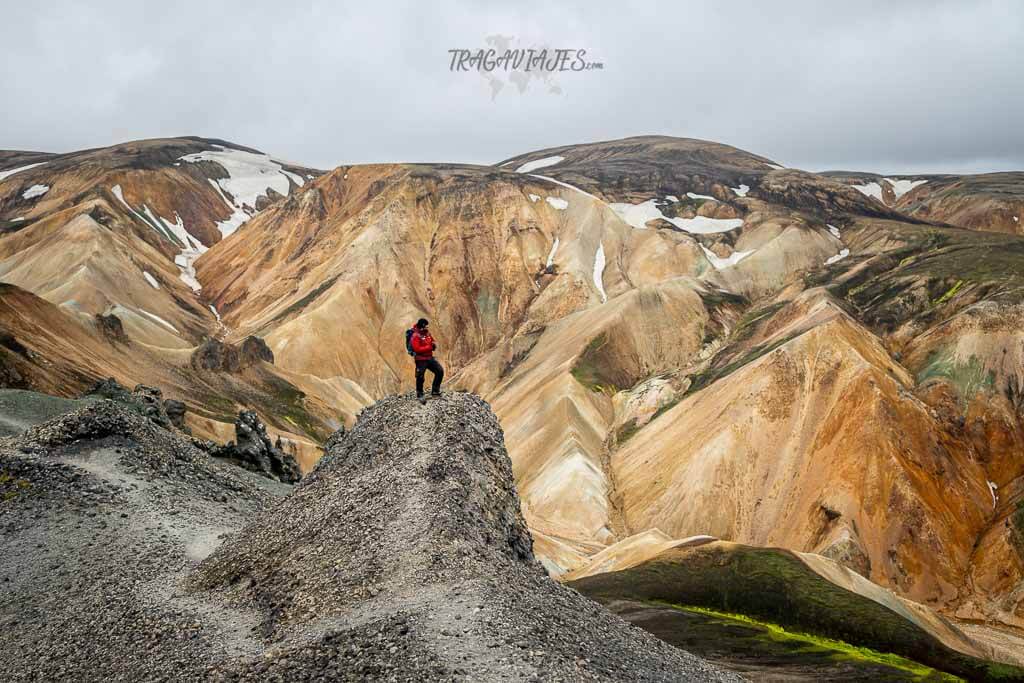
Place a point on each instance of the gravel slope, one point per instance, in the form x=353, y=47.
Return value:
x=102, y=516
x=20, y=409
x=403, y=556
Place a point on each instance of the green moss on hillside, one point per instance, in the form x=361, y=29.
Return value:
x=774, y=585
x=791, y=642
x=968, y=378
x=591, y=370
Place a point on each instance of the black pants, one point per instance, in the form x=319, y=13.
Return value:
x=421, y=367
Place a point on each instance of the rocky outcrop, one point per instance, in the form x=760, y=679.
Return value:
x=214, y=354
x=144, y=400
x=10, y=377
x=404, y=556
x=112, y=329
x=176, y=413
x=253, y=450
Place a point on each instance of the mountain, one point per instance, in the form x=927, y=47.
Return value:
x=990, y=202
x=97, y=252
x=679, y=338
x=404, y=556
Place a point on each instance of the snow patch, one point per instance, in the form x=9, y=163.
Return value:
x=250, y=177
x=557, y=203
x=869, y=190
x=539, y=163
x=158, y=319
x=571, y=187
x=695, y=539
x=672, y=198
x=5, y=174
x=834, y=230
x=216, y=314
x=901, y=187
x=741, y=191
x=838, y=257
x=992, y=488
x=151, y=280
x=694, y=195
x=18, y=219
x=534, y=197
x=35, y=191
x=719, y=263
x=777, y=167
x=191, y=251
x=1016, y=219
x=191, y=247
x=599, y=271
x=551, y=256
x=702, y=225
x=638, y=215
x=229, y=225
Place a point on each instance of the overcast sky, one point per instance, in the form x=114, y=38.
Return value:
x=883, y=86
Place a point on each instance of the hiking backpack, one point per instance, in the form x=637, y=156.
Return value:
x=408, y=342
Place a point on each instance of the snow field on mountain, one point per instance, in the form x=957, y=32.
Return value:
x=5, y=174
x=719, y=263
x=539, y=163
x=35, y=191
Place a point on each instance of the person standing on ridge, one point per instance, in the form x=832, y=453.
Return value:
x=421, y=346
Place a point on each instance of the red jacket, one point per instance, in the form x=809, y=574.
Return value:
x=423, y=344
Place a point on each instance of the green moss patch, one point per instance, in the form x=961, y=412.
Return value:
x=968, y=378
x=779, y=642
x=11, y=487
x=774, y=585
x=592, y=370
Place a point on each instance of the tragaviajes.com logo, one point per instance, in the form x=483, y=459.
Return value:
x=501, y=63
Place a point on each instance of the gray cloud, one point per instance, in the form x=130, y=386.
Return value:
x=887, y=86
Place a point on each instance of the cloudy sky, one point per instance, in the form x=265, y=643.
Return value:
x=886, y=86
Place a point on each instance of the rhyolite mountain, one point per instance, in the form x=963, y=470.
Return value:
x=679, y=338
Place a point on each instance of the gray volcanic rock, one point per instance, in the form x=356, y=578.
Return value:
x=253, y=450
x=111, y=327
x=111, y=389
x=176, y=414
x=214, y=354
x=404, y=556
x=145, y=400
x=150, y=401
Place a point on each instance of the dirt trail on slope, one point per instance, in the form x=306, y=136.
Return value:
x=110, y=514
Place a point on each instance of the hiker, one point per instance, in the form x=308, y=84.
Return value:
x=420, y=346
